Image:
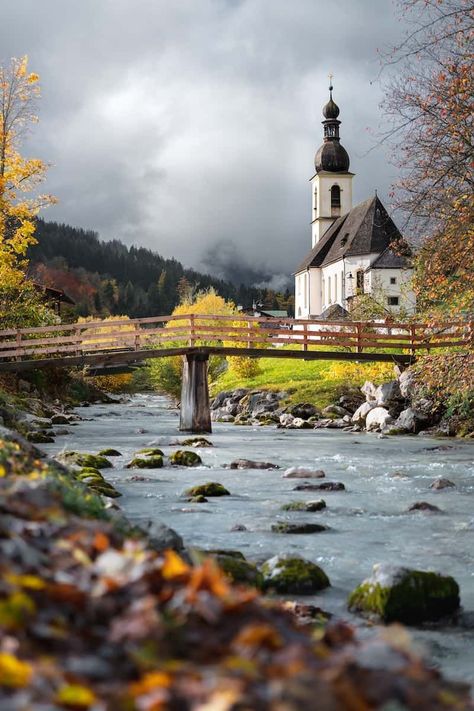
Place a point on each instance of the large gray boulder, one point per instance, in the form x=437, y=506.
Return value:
x=406, y=381
x=377, y=419
x=161, y=537
x=369, y=390
x=388, y=394
x=411, y=420
x=361, y=413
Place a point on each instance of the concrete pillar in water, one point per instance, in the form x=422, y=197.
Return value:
x=195, y=410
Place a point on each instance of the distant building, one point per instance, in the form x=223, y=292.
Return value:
x=355, y=250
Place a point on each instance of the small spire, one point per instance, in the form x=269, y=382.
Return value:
x=330, y=84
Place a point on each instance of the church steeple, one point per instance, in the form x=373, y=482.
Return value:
x=332, y=182
x=331, y=156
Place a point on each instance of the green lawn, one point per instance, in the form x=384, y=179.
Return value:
x=317, y=382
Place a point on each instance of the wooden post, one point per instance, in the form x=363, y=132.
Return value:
x=412, y=339
x=192, y=334
x=137, y=336
x=18, y=344
x=305, y=337
x=359, y=337
x=249, y=334
x=195, y=413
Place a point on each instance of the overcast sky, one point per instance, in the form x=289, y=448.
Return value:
x=190, y=126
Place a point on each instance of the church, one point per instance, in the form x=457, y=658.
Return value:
x=355, y=250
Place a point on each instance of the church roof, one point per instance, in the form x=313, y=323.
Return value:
x=335, y=312
x=366, y=229
x=389, y=259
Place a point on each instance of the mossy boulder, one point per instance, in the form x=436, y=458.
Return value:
x=39, y=438
x=198, y=500
x=211, y=488
x=284, y=527
x=316, y=505
x=84, y=459
x=185, y=458
x=395, y=594
x=149, y=462
x=110, y=452
x=96, y=482
x=240, y=570
x=293, y=575
x=151, y=452
x=197, y=442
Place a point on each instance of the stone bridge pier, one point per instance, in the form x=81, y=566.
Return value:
x=195, y=410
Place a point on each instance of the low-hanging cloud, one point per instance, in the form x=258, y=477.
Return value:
x=191, y=126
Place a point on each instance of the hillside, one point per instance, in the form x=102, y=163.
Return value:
x=110, y=278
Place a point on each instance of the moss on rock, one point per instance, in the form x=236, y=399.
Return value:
x=210, y=488
x=109, y=452
x=317, y=505
x=39, y=438
x=149, y=462
x=197, y=442
x=293, y=575
x=240, y=570
x=404, y=595
x=185, y=458
x=284, y=527
x=84, y=459
x=151, y=452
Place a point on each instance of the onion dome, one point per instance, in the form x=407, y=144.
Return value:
x=331, y=156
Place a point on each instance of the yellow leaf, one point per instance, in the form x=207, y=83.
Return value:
x=173, y=566
x=149, y=682
x=75, y=695
x=13, y=672
x=31, y=582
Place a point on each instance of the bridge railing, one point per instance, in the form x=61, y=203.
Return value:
x=239, y=331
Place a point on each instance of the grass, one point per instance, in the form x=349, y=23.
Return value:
x=317, y=382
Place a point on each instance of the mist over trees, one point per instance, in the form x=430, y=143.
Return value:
x=109, y=278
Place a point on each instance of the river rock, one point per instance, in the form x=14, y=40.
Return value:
x=377, y=419
x=369, y=390
x=198, y=499
x=303, y=410
x=303, y=473
x=60, y=420
x=361, y=413
x=351, y=400
x=161, y=537
x=197, y=442
x=317, y=505
x=39, y=438
x=110, y=453
x=424, y=506
x=84, y=459
x=150, y=462
x=250, y=464
x=300, y=424
x=388, y=395
x=336, y=410
x=286, y=419
x=395, y=594
x=284, y=527
x=324, y=486
x=293, y=575
x=406, y=382
x=442, y=483
x=185, y=458
x=239, y=570
x=151, y=452
x=238, y=527
x=210, y=488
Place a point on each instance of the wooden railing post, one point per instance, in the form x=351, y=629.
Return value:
x=18, y=344
x=359, y=338
x=249, y=334
x=305, y=337
x=78, y=338
x=192, y=333
x=413, y=339
x=137, y=336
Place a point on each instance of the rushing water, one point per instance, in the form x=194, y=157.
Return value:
x=369, y=521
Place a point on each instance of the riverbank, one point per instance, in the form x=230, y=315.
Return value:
x=96, y=618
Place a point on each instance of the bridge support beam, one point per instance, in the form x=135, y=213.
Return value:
x=195, y=410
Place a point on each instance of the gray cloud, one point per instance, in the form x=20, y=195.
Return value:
x=190, y=125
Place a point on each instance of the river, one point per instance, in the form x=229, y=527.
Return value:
x=369, y=522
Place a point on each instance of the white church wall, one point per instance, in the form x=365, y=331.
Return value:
x=315, y=291
x=301, y=295
x=392, y=284
x=334, y=284
x=321, y=200
x=356, y=264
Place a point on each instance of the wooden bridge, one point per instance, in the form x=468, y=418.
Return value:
x=101, y=346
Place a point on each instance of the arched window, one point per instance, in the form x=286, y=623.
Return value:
x=335, y=201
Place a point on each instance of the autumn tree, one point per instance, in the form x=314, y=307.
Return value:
x=19, y=180
x=429, y=104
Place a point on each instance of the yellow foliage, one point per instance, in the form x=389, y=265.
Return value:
x=13, y=672
x=18, y=176
x=118, y=383
x=75, y=696
x=352, y=372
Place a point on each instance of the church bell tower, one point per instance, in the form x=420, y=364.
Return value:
x=331, y=185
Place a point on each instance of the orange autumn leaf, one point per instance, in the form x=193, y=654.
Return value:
x=259, y=635
x=149, y=682
x=173, y=566
x=209, y=577
x=101, y=542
